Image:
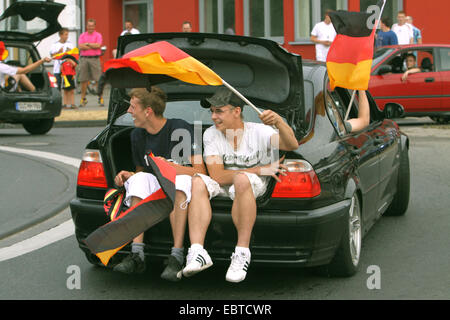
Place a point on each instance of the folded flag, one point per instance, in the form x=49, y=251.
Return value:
x=349, y=59
x=166, y=59
x=125, y=226
x=73, y=54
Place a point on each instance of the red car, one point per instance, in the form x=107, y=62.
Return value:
x=425, y=93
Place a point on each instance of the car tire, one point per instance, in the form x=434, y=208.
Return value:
x=399, y=204
x=41, y=126
x=346, y=260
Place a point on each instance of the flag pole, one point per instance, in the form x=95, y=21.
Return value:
x=241, y=96
x=354, y=91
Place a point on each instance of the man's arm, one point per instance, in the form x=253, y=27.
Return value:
x=363, y=119
x=32, y=66
x=285, y=139
x=316, y=40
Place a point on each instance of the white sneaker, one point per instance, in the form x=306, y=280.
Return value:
x=238, y=267
x=196, y=261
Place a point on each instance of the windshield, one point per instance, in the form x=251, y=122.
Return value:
x=380, y=54
x=190, y=111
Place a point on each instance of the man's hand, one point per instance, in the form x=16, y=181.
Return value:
x=273, y=169
x=121, y=177
x=47, y=59
x=270, y=118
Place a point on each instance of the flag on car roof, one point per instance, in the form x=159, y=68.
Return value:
x=125, y=226
x=349, y=59
x=164, y=58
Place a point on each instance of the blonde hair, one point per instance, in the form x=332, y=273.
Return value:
x=155, y=99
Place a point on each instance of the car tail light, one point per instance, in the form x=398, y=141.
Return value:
x=300, y=182
x=53, y=81
x=91, y=173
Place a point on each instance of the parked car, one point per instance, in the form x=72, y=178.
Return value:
x=37, y=110
x=338, y=184
x=426, y=93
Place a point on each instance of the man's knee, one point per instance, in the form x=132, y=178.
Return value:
x=241, y=183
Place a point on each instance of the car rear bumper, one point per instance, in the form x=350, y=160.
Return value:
x=291, y=238
x=51, y=106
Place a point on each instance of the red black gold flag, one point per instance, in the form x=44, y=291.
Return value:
x=125, y=226
x=349, y=59
x=164, y=58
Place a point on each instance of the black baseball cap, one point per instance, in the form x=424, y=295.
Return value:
x=222, y=97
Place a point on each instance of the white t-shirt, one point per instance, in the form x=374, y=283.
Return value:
x=132, y=31
x=254, y=149
x=54, y=49
x=404, y=33
x=6, y=70
x=323, y=32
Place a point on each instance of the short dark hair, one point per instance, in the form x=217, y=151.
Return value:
x=154, y=98
x=411, y=55
x=63, y=30
x=387, y=21
x=187, y=22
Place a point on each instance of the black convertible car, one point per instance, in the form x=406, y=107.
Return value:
x=338, y=184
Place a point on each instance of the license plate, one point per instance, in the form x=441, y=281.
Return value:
x=28, y=106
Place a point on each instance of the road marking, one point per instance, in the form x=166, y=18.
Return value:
x=62, y=231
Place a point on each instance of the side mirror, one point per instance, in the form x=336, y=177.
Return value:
x=393, y=110
x=384, y=69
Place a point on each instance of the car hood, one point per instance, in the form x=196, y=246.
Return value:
x=260, y=69
x=30, y=21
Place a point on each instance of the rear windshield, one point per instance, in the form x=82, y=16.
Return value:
x=190, y=111
x=20, y=57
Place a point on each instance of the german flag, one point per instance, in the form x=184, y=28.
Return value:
x=349, y=59
x=73, y=54
x=3, y=52
x=164, y=58
x=124, y=227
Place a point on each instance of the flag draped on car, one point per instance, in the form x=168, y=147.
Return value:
x=125, y=226
x=349, y=59
x=73, y=54
x=164, y=58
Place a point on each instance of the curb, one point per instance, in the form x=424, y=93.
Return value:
x=80, y=123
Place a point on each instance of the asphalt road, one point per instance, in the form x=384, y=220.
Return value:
x=411, y=253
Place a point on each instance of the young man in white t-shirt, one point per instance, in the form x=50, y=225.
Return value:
x=129, y=29
x=239, y=159
x=323, y=35
x=404, y=32
x=62, y=45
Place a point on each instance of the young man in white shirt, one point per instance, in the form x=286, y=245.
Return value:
x=323, y=35
x=62, y=45
x=403, y=31
x=129, y=29
x=238, y=157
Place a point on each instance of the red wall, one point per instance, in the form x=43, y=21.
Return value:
x=168, y=16
x=108, y=16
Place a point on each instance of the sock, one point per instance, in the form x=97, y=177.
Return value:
x=139, y=249
x=239, y=250
x=196, y=246
x=178, y=253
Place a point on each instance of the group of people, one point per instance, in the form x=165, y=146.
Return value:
x=402, y=32
x=230, y=165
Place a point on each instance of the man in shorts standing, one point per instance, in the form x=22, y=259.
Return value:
x=238, y=156
x=89, y=43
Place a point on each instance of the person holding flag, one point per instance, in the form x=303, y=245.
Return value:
x=349, y=60
x=60, y=46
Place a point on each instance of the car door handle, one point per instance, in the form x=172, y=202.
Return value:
x=429, y=79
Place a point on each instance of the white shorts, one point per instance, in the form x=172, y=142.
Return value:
x=258, y=183
x=143, y=184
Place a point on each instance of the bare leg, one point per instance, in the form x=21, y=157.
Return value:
x=199, y=211
x=178, y=219
x=243, y=211
x=139, y=238
x=84, y=86
x=23, y=80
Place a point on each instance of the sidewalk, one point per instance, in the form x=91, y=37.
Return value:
x=92, y=112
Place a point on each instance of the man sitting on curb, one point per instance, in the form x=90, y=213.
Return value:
x=232, y=152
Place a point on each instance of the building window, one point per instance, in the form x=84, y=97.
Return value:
x=140, y=13
x=390, y=10
x=217, y=16
x=308, y=13
x=264, y=18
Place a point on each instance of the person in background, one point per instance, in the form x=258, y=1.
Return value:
x=129, y=29
x=89, y=43
x=62, y=45
x=417, y=35
x=186, y=26
x=411, y=66
x=403, y=30
x=385, y=37
x=68, y=73
x=323, y=35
